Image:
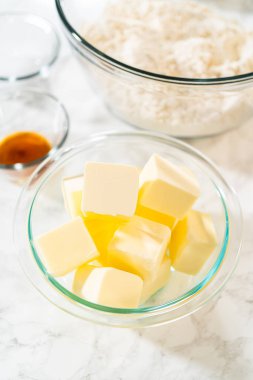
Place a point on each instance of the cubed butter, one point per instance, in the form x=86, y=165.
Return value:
x=178, y=284
x=139, y=246
x=151, y=286
x=193, y=241
x=102, y=229
x=156, y=216
x=72, y=188
x=82, y=274
x=166, y=188
x=110, y=189
x=66, y=247
x=113, y=287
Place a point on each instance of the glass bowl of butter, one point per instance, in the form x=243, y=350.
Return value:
x=128, y=229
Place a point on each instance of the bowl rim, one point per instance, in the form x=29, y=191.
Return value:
x=55, y=53
x=64, y=131
x=150, y=311
x=139, y=72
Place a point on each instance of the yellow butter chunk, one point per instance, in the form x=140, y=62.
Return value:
x=156, y=216
x=110, y=189
x=138, y=246
x=178, y=284
x=193, y=240
x=82, y=274
x=166, y=188
x=102, y=229
x=113, y=287
x=72, y=188
x=151, y=286
x=66, y=247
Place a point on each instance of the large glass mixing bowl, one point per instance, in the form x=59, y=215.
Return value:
x=178, y=106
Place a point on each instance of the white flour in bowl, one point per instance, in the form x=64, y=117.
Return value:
x=175, y=38
x=184, y=39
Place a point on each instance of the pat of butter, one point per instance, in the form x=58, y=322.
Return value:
x=167, y=188
x=139, y=246
x=82, y=274
x=113, y=287
x=66, y=247
x=193, y=241
x=151, y=286
x=72, y=188
x=178, y=284
x=110, y=189
x=156, y=216
x=102, y=229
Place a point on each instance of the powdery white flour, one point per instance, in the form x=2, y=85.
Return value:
x=185, y=39
x=176, y=38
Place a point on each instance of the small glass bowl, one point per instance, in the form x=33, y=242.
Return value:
x=29, y=46
x=40, y=208
x=32, y=111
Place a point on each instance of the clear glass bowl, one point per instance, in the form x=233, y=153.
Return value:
x=29, y=46
x=181, y=107
x=32, y=111
x=40, y=208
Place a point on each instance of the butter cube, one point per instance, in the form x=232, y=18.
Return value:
x=102, y=229
x=156, y=216
x=178, y=284
x=72, y=188
x=193, y=241
x=138, y=246
x=82, y=274
x=66, y=248
x=113, y=287
x=151, y=286
x=166, y=188
x=110, y=189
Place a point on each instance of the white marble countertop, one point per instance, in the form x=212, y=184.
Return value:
x=40, y=342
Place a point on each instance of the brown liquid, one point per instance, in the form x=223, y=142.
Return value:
x=23, y=147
